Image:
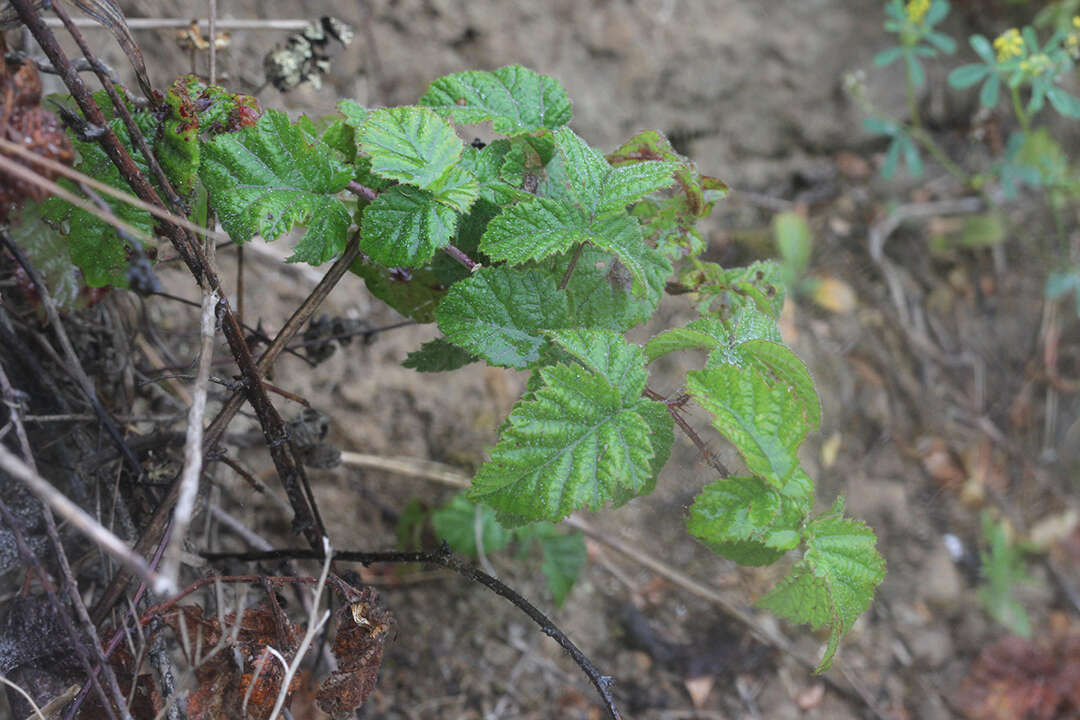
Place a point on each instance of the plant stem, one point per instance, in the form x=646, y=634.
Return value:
x=1018, y=108
x=912, y=102
x=570, y=268
x=923, y=138
x=457, y=254
x=362, y=191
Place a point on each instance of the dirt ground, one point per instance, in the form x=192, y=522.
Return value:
x=936, y=403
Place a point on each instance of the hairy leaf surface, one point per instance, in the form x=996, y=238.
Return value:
x=599, y=290
x=576, y=441
x=268, y=178
x=513, y=98
x=762, y=419
x=405, y=226
x=745, y=520
x=409, y=144
x=499, y=314
x=833, y=583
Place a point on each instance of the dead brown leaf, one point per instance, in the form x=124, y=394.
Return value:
x=1020, y=678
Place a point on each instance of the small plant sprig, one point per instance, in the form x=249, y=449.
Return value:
x=1015, y=60
x=534, y=252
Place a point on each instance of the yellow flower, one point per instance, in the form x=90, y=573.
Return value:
x=916, y=10
x=1009, y=44
x=1076, y=22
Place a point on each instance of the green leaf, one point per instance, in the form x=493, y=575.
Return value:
x=543, y=227
x=651, y=145
x=47, y=250
x=265, y=179
x=457, y=188
x=1063, y=102
x=438, y=355
x=93, y=244
x=722, y=338
x=532, y=231
x=705, y=333
x=983, y=49
x=915, y=71
x=911, y=155
x=499, y=314
x=608, y=354
x=587, y=203
x=415, y=293
x=785, y=368
x=457, y=522
x=745, y=520
x=513, y=98
x=892, y=158
x=887, y=57
x=833, y=583
x=342, y=137
x=988, y=96
x=758, y=285
x=409, y=144
x=1002, y=569
x=563, y=558
x=599, y=290
x=942, y=42
x=795, y=243
x=177, y=146
x=355, y=113
x=938, y=10
x=583, y=176
x=576, y=442
x=621, y=236
x=410, y=525
x=762, y=419
x=485, y=164
x=405, y=226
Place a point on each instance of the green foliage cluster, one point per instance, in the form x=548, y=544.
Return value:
x=565, y=250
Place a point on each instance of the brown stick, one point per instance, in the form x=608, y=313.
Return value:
x=216, y=430
x=290, y=471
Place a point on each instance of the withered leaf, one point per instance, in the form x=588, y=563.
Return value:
x=1020, y=678
x=222, y=685
x=363, y=627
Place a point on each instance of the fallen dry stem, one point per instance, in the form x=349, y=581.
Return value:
x=193, y=449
